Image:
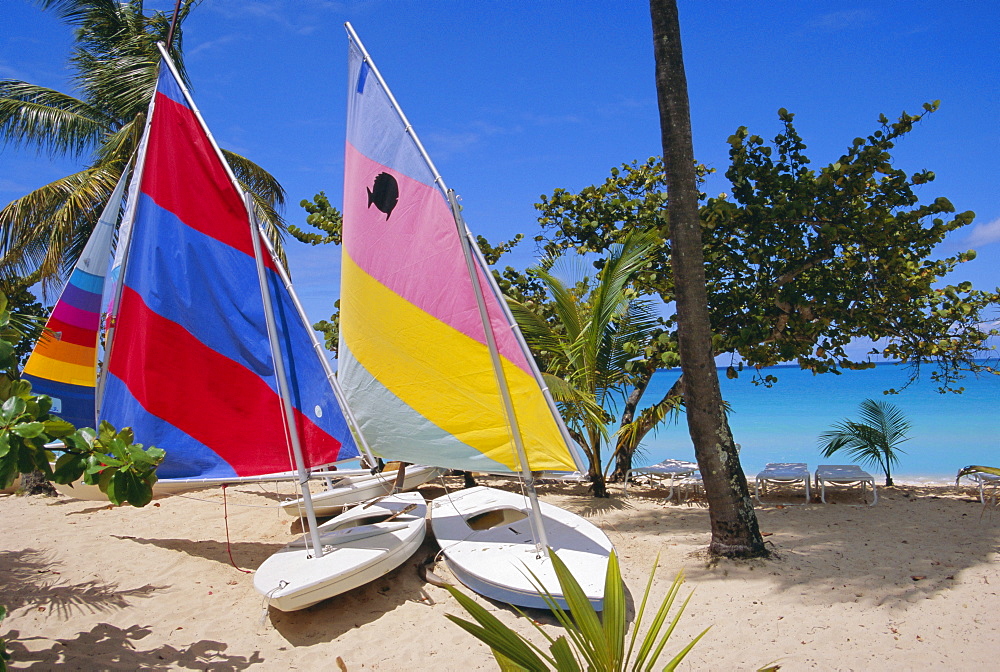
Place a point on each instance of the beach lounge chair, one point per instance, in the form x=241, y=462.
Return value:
x=676, y=472
x=782, y=473
x=844, y=474
x=982, y=480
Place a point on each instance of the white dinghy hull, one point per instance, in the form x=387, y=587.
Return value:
x=361, y=488
x=360, y=546
x=486, y=538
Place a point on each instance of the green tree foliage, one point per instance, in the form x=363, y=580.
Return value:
x=803, y=260
x=874, y=440
x=109, y=459
x=591, y=642
x=114, y=66
x=322, y=216
x=586, y=350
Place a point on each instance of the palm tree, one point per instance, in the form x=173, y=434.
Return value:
x=875, y=440
x=115, y=66
x=585, y=350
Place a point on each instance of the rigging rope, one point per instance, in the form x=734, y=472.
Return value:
x=225, y=517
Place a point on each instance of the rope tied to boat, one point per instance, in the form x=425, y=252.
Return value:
x=229, y=545
x=267, y=600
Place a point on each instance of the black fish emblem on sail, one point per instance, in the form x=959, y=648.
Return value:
x=384, y=194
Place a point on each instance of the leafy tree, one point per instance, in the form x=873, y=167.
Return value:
x=734, y=524
x=874, y=440
x=115, y=64
x=109, y=459
x=322, y=216
x=585, y=351
x=802, y=261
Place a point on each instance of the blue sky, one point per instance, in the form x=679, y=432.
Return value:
x=514, y=100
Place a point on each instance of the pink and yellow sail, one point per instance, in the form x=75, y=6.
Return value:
x=414, y=359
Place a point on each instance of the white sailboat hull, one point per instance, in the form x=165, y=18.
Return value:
x=360, y=488
x=361, y=547
x=499, y=560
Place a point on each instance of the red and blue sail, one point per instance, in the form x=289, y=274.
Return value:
x=414, y=359
x=190, y=366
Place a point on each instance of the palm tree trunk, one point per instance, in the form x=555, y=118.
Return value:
x=599, y=487
x=734, y=525
x=625, y=449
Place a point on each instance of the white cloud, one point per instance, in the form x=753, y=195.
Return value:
x=984, y=234
x=210, y=44
x=836, y=21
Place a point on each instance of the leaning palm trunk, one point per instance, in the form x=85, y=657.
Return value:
x=734, y=524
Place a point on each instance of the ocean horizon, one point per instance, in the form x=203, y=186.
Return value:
x=783, y=423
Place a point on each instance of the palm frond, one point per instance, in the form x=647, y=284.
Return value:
x=50, y=225
x=267, y=194
x=565, y=303
x=538, y=333
x=36, y=116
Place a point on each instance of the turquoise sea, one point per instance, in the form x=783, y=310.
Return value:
x=782, y=423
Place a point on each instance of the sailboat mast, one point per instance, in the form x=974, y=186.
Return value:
x=529, y=357
x=338, y=393
x=282, y=380
x=480, y=299
x=272, y=330
x=515, y=429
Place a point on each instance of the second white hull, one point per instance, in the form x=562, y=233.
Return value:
x=360, y=546
x=486, y=537
x=354, y=489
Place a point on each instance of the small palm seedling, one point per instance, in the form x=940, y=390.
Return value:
x=874, y=440
x=591, y=642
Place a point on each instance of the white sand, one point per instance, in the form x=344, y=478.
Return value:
x=908, y=584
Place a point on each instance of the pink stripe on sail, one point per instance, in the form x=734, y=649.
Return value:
x=416, y=252
x=75, y=316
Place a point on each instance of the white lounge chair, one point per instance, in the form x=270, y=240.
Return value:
x=675, y=472
x=844, y=474
x=983, y=480
x=783, y=473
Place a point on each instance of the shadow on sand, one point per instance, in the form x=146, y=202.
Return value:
x=328, y=620
x=107, y=647
x=827, y=554
x=30, y=578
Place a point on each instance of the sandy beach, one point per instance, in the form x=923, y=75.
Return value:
x=908, y=584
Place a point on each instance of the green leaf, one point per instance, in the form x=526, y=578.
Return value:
x=13, y=408
x=508, y=644
x=495, y=634
x=140, y=493
x=117, y=488
x=563, y=654
x=58, y=428
x=614, y=615
x=582, y=610
x=29, y=430
x=4, y=444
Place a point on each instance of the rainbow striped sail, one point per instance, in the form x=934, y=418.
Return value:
x=190, y=367
x=63, y=364
x=414, y=360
